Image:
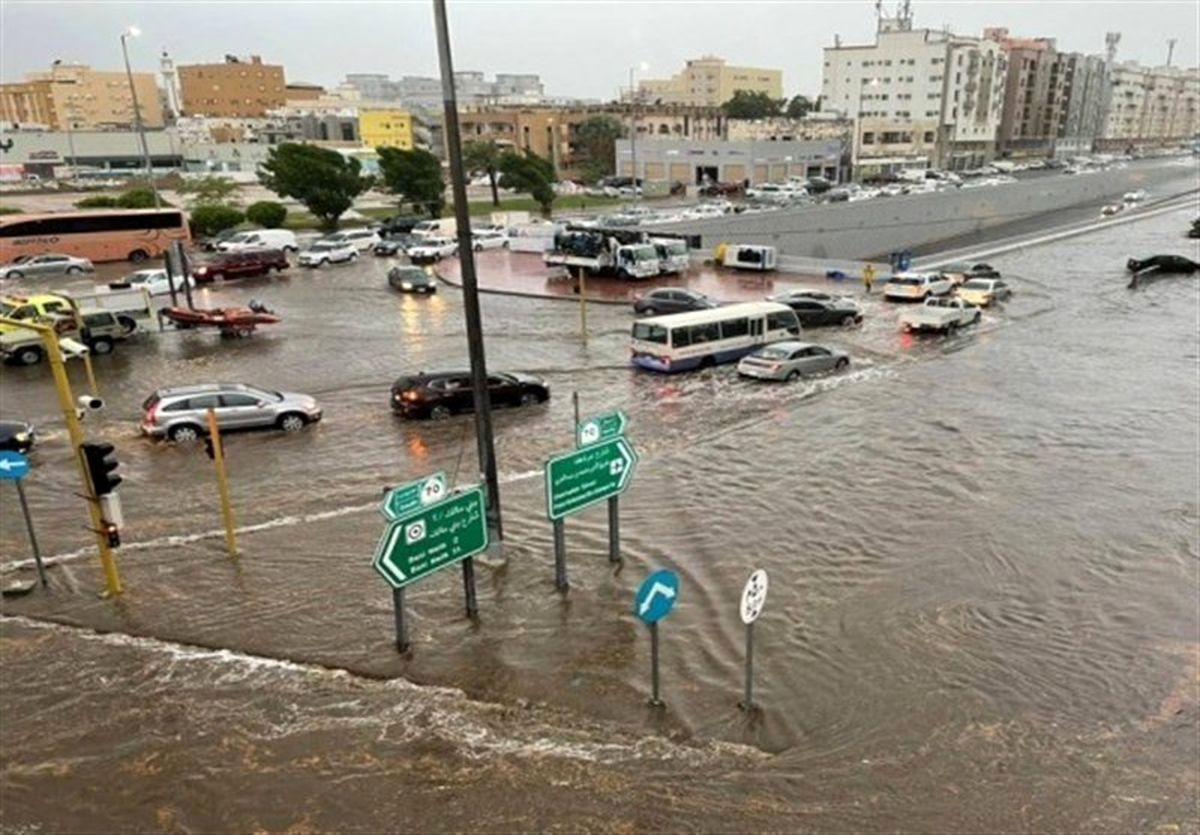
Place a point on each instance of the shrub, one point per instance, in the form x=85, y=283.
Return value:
x=97, y=201
x=10, y=210
x=209, y=220
x=137, y=198
x=267, y=214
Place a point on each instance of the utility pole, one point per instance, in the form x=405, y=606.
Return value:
x=633, y=135
x=133, y=32
x=470, y=285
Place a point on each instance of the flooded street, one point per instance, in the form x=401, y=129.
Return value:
x=983, y=549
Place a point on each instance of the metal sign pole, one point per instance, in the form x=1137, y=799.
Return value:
x=170, y=268
x=583, y=328
x=748, y=701
x=469, y=588
x=37, y=553
x=614, y=531
x=560, y=556
x=401, y=626
x=655, y=701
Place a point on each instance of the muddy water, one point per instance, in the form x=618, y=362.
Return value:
x=983, y=557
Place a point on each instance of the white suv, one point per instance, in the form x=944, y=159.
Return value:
x=916, y=286
x=327, y=252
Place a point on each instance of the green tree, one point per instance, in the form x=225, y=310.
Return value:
x=267, y=214
x=209, y=190
x=323, y=180
x=748, y=105
x=97, y=201
x=415, y=176
x=484, y=156
x=799, y=107
x=213, y=218
x=529, y=173
x=596, y=138
x=137, y=198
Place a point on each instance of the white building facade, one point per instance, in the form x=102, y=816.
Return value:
x=919, y=98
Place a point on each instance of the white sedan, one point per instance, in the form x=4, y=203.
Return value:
x=488, y=239
x=153, y=282
x=324, y=252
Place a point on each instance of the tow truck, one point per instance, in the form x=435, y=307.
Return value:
x=619, y=252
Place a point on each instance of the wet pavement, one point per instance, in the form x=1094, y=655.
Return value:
x=983, y=556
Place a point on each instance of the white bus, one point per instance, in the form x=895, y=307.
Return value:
x=683, y=341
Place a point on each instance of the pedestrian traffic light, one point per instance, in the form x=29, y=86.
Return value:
x=101, y=469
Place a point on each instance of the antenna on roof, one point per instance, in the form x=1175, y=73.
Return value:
x=1170, y=50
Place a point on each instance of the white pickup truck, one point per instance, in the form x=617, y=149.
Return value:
x=940, y=315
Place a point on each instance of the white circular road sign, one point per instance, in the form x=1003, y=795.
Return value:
x=754, y=596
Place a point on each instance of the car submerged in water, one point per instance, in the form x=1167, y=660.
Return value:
x=441, y=394
x=1162, y=264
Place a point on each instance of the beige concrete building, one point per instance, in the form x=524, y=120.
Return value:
x=76, y=96
x=814, y=126
x=549, y=132
x=710, y=82
x=1151, y=106
x=237, y=87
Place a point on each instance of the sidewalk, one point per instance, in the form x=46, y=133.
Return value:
x=523, y=274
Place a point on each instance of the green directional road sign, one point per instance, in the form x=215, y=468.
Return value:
x=416, y=494
x=601, y=427
x=432, y=537
x=588, y=475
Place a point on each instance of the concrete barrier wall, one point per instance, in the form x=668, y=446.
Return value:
x=871, y=229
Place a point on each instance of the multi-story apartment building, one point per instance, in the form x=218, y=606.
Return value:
x=237, y=87
x=816, y=125
x=1085, y=89
x=1151, y=106
x=710, y=82
x=919, y=97
x=1033, y=95
x=76, y=97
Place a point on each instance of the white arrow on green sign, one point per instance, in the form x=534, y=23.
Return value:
x=416, y=494
x=588, y=475
x=602, y=427
x=432, y=537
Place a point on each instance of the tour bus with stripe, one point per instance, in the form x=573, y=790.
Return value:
x=683, y=341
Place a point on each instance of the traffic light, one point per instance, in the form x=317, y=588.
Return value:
x=101, y=469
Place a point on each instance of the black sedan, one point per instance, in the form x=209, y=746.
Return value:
x=672, y=300
x=411, y=280
x=16, y=436
x=814, y=312
x=1162, y=264
x=438, y=395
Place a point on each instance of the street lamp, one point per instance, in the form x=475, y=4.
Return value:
x=133, y=32
x=633, y=96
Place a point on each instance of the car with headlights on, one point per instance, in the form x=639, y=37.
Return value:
x=411, y=280
x=791, y=360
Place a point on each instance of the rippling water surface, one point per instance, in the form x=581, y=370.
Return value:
x=982, y=550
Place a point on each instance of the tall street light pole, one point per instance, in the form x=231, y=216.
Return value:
x=133, y=32
x=633, y=99
x=470, y=286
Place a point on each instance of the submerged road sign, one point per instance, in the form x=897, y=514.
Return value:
x=601, y=427
x=432, y=537
x=13, y=465
x=416, y=494
x=656, y=596
x=588, y=475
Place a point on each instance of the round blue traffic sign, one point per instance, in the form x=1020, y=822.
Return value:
x=13, y=465
x=656, y=596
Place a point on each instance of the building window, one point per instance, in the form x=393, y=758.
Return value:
x=868, y=138
x=929, y=136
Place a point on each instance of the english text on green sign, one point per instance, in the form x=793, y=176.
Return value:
x=588, y=475
x=432, y=537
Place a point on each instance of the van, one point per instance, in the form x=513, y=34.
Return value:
x=749, y=257
x=445, y=227
x=283, y=239
x=360, y=239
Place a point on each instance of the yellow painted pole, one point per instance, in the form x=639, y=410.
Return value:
x=214, y=435
x=66, y=400
x=583, y=304
x=91, y=375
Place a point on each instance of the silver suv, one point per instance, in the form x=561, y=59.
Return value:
x=181, y=414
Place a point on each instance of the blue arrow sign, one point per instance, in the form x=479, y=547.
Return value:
x=656, y=596
x=13, y=465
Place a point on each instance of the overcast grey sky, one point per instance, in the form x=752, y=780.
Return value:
x=580, y=48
